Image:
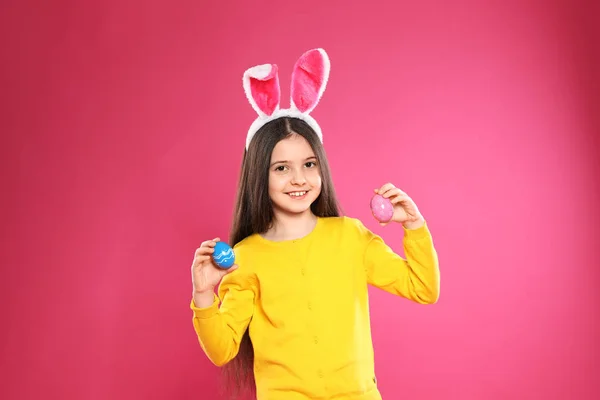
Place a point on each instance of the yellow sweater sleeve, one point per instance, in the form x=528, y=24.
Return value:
x=416, y=278
x=220, y=329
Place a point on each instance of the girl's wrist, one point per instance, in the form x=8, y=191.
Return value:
x=203, y=299
x=414, y=224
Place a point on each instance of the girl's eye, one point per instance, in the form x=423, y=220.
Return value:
x=310, y=164
x=280, y=168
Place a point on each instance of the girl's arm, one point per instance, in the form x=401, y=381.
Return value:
x=416, y=278
x=220, y=329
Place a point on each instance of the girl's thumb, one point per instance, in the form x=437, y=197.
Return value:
x=229, y=270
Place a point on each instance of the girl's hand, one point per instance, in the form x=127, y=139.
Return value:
x=205, y=273
x=405, y=209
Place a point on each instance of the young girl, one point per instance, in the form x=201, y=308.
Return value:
x=291, y=317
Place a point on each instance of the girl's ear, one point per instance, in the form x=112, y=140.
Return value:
x=261, y=85
x=309, y=79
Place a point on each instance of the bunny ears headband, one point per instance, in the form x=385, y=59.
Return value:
x=309, y=79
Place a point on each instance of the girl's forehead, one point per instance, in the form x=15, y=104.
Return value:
x=293, y=147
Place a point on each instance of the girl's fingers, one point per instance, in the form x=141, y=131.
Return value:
x=390, y=192
x=210, y=242
x=394, y=192
x=202, y=251
x=399, y=199
x=207, y=244
x=202, y=258
x=384, y=188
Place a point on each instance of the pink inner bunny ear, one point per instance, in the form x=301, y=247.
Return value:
x=309, y=79
x=261, y=84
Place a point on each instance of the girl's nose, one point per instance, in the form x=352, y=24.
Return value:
x=298, y=177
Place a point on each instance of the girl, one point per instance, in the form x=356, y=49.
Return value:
x=291, y=317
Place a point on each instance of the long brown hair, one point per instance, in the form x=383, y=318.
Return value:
x=254, y=214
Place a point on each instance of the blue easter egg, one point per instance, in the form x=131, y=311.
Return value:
x=224, y=256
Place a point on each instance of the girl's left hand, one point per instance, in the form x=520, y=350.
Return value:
x=405, y=209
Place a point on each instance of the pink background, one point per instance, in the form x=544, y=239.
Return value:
x=123, y=127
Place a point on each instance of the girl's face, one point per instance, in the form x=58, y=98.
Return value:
x=294, y=176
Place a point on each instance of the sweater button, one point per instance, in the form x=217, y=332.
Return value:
x=316, y=340
x=320, y=374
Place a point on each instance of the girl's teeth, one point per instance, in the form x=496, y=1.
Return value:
x=298, y=194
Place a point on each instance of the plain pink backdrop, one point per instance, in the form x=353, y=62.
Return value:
x=123, y=127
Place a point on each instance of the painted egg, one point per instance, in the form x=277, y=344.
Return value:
x=382, y=208
x=224, y=256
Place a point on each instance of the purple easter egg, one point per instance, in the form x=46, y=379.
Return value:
x=382, y=208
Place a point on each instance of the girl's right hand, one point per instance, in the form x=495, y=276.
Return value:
x=205, y=273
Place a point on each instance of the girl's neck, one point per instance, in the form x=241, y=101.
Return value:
x=291, y=227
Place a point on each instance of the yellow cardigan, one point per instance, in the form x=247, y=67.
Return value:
x=305, y=303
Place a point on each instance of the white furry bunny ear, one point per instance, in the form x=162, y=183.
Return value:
x=309, y=79
x=261, y=84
